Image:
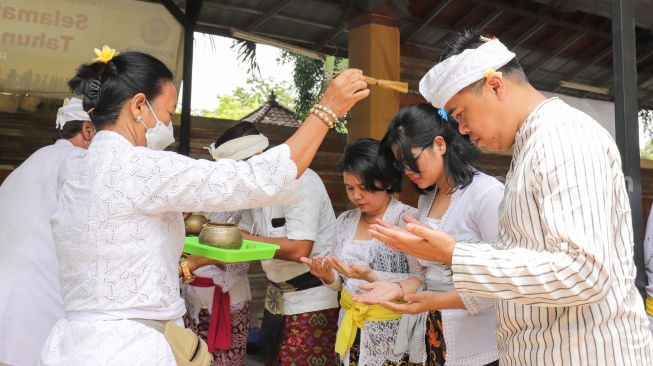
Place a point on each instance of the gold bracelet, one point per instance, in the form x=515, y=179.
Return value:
x=188, y=275
x=322, y=116
x=327, y=110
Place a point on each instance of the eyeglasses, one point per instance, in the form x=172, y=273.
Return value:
x=402, y=166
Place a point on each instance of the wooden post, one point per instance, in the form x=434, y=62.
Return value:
x=374, y=48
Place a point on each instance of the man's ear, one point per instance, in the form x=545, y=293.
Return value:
x=497, y=84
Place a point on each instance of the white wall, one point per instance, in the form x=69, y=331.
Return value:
x=601, y=111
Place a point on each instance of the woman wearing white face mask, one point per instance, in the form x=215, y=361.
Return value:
x=160, y=136
x=119, y=228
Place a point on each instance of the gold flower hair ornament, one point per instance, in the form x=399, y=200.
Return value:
x=105, y=55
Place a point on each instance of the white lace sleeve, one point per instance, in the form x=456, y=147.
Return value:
x=335, y=248
x=169, y=182
x=414, y=269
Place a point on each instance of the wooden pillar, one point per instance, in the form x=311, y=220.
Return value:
x=374, y=48
x=626, y=122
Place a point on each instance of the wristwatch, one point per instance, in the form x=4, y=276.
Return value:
x=187, y=274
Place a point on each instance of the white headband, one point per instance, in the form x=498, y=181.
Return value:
x=71, y=110
x=239, y=149
x=452, y=75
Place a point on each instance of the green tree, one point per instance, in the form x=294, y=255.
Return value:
x=309, y=83
x=308, y=77
x=245, y=99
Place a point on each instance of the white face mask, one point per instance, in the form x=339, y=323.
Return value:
x=160, y=136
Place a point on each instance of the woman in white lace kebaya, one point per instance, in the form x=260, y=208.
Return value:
x=366, y=335
x=221, y=291
x=119, y=229
x=456, y=198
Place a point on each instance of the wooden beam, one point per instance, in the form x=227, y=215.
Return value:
x=331, y=36
x=531, y=32
x=175, y=11
x=490, y=18
x=427, y=19
x=267, y=15
x=560, y=49
x=572, y=74
x=192, y=12
x=647, y=98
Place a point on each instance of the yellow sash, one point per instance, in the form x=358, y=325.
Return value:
x=649, y=305
x=356, y=314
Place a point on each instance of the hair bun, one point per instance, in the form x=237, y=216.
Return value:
x=91, y=90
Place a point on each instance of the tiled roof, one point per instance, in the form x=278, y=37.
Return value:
x=273, y=113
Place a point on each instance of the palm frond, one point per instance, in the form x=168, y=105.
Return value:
x=247, y=54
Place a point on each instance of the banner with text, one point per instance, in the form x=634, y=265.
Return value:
x=42, y=42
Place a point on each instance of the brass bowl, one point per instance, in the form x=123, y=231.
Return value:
x=194, y=224
x=221, y=235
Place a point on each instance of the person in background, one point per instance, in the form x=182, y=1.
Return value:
x=301, y=315
x=30, y=296
x=221, y=292
x=367, y=335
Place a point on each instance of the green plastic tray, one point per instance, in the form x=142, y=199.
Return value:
x=249, y=251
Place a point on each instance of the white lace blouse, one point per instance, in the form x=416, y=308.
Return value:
x=119, y=232
x=377, y=338
x=472, y=215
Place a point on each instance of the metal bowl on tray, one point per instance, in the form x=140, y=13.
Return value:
x=221, y=235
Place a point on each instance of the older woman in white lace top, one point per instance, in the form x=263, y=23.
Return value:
x=366, y=335
x=119, y=229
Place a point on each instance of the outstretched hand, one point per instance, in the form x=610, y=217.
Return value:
x=379, y=292
x=321, y=268
x=415, y=303
x=351, y=270
x=416, y=239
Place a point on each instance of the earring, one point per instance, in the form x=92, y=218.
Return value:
x=139, y=119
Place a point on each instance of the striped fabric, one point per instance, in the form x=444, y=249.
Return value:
x=562, y=267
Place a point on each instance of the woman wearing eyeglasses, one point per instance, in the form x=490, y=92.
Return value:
x=456, y=198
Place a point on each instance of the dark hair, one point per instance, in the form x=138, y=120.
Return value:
x=107, y=86
x=472, y=38
x=361, y=158
x=239, y=130
x=69, y=130
x=417, y=126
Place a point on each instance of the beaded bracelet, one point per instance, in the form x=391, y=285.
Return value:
x=323, y=116
x=327, y=110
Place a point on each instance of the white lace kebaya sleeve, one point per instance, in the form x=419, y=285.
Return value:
x=165, y=181
x=341, y=229
x=415, y=269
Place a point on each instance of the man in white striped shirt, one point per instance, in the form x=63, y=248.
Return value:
x=562, y=267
